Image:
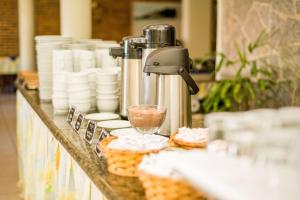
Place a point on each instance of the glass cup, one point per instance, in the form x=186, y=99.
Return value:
x=146, y=119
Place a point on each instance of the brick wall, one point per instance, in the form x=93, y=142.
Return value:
x=111, y=20
x=47, y=17
x=8, y=28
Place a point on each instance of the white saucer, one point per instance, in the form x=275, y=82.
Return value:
x=124, y=132
x=114, y=124
x=101, y=116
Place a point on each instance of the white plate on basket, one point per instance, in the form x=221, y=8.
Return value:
x=101, y=116
x=124, y=132
x=114, y=124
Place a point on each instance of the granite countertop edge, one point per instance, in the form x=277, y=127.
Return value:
x=90, y=168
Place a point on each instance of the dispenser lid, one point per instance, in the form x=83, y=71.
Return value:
x=168, y=60
x=133, y=41
x=160, y=34
x=132, y=47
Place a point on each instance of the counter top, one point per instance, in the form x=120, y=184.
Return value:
x=112, y=186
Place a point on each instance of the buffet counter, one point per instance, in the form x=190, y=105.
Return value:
x=55, y=163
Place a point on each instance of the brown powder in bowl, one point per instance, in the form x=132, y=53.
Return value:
x=143, y=116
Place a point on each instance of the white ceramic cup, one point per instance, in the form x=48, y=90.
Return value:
x=109, y=92
x=82, y=107
x=78, y=77
x=60, y=77
x=106, y=77
x=60, y=103
x=83, y=94
x=108, y=104
x=59, y=94
x=107, y=96
x=78, y=87
x=107, y=87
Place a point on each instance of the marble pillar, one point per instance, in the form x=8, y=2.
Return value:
x=26, y=34
x=76, y=18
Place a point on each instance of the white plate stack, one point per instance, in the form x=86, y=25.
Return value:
x=103, y=59
x=60, y=93
x=89, y=41
x=44, y=47
x=62, y=65
x=79, y=91
x=107, y=91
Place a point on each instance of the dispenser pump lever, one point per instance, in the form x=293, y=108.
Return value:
x=193, y=88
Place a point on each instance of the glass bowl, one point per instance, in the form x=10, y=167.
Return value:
x=146, y=119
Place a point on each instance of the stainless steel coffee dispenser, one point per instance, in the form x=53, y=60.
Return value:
x=157, y=36
x=175, y=85
x=131, y=71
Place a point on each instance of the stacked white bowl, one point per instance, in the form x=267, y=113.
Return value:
x=44, y=47
x=60, y=95
x=115, y=70
x=79, y=91
x=93, y=86
x=107, y=91
x=62, y=65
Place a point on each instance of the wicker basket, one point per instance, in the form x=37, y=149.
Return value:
x=161, y=188
x=187, y=145
x=123, y=162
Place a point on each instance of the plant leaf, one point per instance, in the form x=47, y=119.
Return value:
x=250, y=89
x=236, y=91
x=220, y=63
x=254, y=68
x=216, y=104
x=243, y=61
x=239, y=97
x=213, y=94
x=225, y=88
x=261, y=85
x=236, y=88
x=227, y=103
x=207, y=105
x=265, y=72
x=229, y=63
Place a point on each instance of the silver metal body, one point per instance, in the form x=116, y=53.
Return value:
x=172, y=93
x=130, y=84
x=149, y=83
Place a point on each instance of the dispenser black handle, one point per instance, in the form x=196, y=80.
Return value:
x=116, y=52
x=193, y=88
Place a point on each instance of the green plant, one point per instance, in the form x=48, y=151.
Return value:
x=242, y=92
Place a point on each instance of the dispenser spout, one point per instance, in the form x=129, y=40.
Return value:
x=116, y=52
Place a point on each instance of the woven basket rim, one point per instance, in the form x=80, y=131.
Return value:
x=146, y=177
x=105, y=149
x=187, y=144
x=144, y=173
